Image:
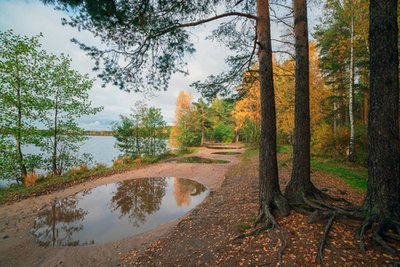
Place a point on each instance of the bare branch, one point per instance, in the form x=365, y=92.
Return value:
x=284, y=52
x=254, y=48
x=283, y=42
x=281, y=5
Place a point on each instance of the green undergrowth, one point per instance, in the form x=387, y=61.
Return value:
x=51, y=183
x=195, y=159
x=249, y=153
x=354, y=174
x=186, y=150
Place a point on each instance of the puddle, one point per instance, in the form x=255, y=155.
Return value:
x=195, y=159
x=227, y=153
x=114, y=211
x=224, y=147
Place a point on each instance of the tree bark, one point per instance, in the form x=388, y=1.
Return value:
x=300, y=183
x=202, y=126
x=271, y=197
x=18, y=136
x=341, y=102
x=351, y=155
x=382, y=200
x=56, y=171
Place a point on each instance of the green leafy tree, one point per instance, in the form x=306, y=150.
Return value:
x=67, y=99
x=189, y=131
x=203, y=110
x=22, y=65
x=142, y=133
x=154, y=132
x=124, y=132
x=223, y=133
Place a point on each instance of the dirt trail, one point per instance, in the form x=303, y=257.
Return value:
x=17, y=246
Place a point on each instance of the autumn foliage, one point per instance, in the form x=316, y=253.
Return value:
x=247, y=115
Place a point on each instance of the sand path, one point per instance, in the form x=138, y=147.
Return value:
x=17, y=245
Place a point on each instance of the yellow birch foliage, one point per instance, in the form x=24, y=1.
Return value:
x=249, y=106
x=183, y=106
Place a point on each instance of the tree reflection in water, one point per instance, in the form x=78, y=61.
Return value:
x=185, y=189
x=56, y=225
x=113, y=211
x=139, y=198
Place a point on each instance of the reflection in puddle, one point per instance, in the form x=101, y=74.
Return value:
x=114, y=211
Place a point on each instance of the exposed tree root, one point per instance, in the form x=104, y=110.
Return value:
x=269, y=223
x=283, y=247
x=380, y=229
x=324, y=239
x=364, y=228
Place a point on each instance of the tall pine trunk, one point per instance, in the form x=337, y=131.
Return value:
x=270, y=193
x=382, y=200
x=300, y=183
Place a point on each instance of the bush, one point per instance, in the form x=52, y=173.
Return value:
x=325, y=142
x=99, y=167
x=223, y=133
x=78, y=170
x=121, y=160
x=30, y=179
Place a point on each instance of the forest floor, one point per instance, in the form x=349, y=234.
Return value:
x=207, y=237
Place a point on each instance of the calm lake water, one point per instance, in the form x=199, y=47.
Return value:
x=102, y=149
x=114, y=211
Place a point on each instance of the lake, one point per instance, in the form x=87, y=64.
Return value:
x=102, y=149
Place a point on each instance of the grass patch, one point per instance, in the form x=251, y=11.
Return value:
x=51, y=183
x=284, y=149
x=249, y=153
x=185, y=151
x=196, y=159
x=354, y=175
x=226, y=153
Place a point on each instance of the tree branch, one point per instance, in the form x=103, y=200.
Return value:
x=203, y=21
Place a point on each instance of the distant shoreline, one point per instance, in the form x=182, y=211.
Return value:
x=98, y=133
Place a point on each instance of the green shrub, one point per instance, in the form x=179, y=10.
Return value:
x=223, y=133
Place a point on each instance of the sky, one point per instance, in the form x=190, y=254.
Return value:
x=31, y=17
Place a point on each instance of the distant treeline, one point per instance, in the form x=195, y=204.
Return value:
x=98, y=133
x=91, y=133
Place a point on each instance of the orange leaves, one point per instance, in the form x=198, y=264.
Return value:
x=183, y=104
x=248, y=108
